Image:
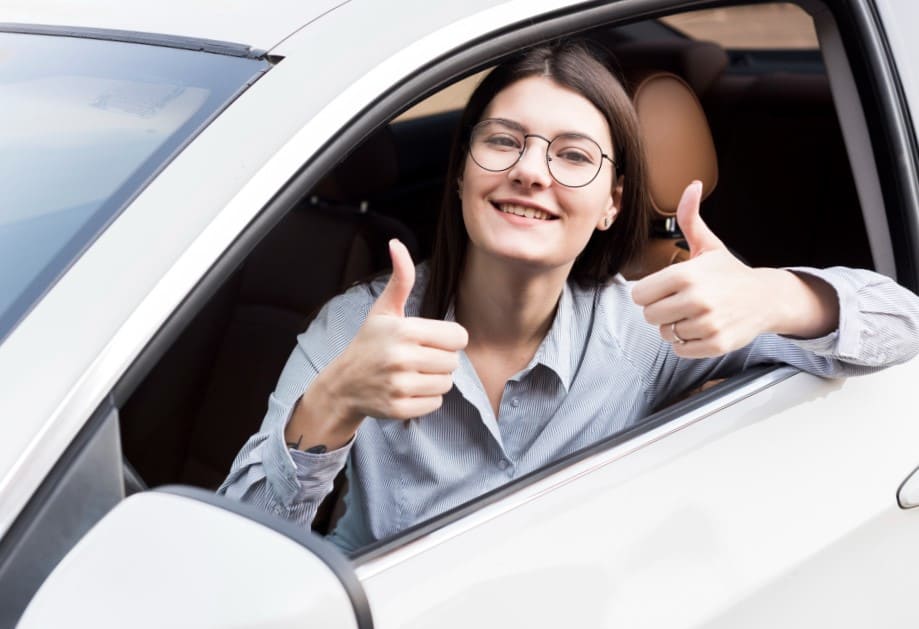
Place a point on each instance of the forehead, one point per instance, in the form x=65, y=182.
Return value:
x=543, y=106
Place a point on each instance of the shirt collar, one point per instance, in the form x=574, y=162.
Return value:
x=555, y=350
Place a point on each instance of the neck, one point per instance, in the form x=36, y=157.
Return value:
x=507, y=306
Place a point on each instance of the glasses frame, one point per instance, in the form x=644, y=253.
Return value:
x=527, y=136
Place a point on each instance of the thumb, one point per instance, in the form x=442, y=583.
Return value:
x=699, y=237
x=392, y=300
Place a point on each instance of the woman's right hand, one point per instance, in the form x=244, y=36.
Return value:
x=396, y=367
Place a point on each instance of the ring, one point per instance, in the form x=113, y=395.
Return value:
x=676, y=337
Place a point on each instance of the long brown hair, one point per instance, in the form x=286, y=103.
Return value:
x=575, y=66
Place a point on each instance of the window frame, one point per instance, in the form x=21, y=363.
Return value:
x=855, y=23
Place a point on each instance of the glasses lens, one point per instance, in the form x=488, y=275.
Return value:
x=495, y=146
x=574, y=160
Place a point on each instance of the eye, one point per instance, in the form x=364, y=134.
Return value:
x=503, y=141
x=575, y=150
x=574, y=156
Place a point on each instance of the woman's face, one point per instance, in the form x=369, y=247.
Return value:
x=561, y=219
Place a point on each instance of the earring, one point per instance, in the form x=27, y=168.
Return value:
x=606, y=222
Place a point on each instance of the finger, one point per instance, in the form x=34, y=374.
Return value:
x=427, y=385
x=430, y=360
x=410, y=407
x=662, y=284
x=392, y=300
x=446, y=335
x=699, y=237
x=675, y=307
x=677, y=332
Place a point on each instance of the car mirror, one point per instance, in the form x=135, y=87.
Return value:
x=184, y=557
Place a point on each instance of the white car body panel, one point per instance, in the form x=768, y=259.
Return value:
x=194, y=571
x=259, y=25
x=693, y=530
x=900, y=19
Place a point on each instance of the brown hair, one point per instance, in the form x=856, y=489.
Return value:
x=575, y=66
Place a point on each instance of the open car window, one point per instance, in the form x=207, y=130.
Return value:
x=218, y=373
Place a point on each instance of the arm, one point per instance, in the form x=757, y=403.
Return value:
x=359, y=358
x=713, y=304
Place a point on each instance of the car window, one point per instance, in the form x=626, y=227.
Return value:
x=363, y=197
x=774, y=25
x=86, y=123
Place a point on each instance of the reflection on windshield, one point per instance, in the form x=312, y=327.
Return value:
x=86, y=124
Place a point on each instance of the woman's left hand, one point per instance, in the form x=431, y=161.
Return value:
x=713, y=303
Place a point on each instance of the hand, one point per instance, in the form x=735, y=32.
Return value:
x=396, y=367
x=718, y=304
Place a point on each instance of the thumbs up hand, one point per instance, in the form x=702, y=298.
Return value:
x=712, y=303
x=396, y=367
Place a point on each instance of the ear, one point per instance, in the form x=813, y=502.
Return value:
x=612, y=210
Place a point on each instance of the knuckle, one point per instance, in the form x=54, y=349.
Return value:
x=397, y=384
x=393, y=358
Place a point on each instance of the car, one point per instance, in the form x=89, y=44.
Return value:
x=184, y=184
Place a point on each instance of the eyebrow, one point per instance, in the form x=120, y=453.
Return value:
x=516, y=126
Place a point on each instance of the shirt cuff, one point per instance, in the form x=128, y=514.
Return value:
x=296, y=476
x=838, y=343
x=316, y=472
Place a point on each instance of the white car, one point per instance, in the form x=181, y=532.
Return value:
x=182, y=184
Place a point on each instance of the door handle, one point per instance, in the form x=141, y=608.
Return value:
x=908, y=494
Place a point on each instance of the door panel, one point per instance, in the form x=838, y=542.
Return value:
x=705, y=527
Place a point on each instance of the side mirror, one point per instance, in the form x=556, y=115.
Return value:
x=182, y=557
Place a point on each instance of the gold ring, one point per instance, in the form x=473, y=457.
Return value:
x=676, y=337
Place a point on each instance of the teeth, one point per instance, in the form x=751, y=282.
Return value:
x=528, y=212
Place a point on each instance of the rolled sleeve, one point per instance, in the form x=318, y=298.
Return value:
x=878, y=319
x=268, y=474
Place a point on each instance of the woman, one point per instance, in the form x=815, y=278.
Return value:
x=519, y=343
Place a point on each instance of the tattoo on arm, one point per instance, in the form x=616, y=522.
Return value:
x=317, y=449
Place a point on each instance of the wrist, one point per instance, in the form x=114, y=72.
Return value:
x=802, y=305
x=321, y=418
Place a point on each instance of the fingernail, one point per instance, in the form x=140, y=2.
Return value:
x=697, y=184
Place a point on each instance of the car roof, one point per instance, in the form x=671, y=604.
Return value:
x=258, y=24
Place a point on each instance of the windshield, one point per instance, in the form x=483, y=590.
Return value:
x=85, y=125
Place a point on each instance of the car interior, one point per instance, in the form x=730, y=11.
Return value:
x=758, y=126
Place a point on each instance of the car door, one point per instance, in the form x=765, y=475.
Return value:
x=771, y=502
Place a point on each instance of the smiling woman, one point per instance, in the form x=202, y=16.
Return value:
x=519, y=343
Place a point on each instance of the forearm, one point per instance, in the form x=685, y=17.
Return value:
x=802, y=306
x=321, y=421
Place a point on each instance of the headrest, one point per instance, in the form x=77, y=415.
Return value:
x=370, y=169
x=677, y=140
x=699, y=63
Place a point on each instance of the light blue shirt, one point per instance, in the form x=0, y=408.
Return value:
x=601, y=369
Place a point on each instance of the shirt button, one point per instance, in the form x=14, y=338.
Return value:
x=515, y=402
x=503, y=463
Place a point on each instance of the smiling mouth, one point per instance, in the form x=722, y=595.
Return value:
x=521, y=210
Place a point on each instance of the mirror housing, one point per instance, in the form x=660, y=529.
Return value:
x=186, y=558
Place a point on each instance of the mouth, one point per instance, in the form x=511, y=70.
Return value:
x=524, y=211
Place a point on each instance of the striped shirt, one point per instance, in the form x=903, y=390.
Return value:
x=600, y=369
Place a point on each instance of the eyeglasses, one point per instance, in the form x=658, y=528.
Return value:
x=573, y=160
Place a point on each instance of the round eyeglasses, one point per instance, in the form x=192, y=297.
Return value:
x=573, y=160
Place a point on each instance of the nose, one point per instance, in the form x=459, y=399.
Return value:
x=532, y=169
